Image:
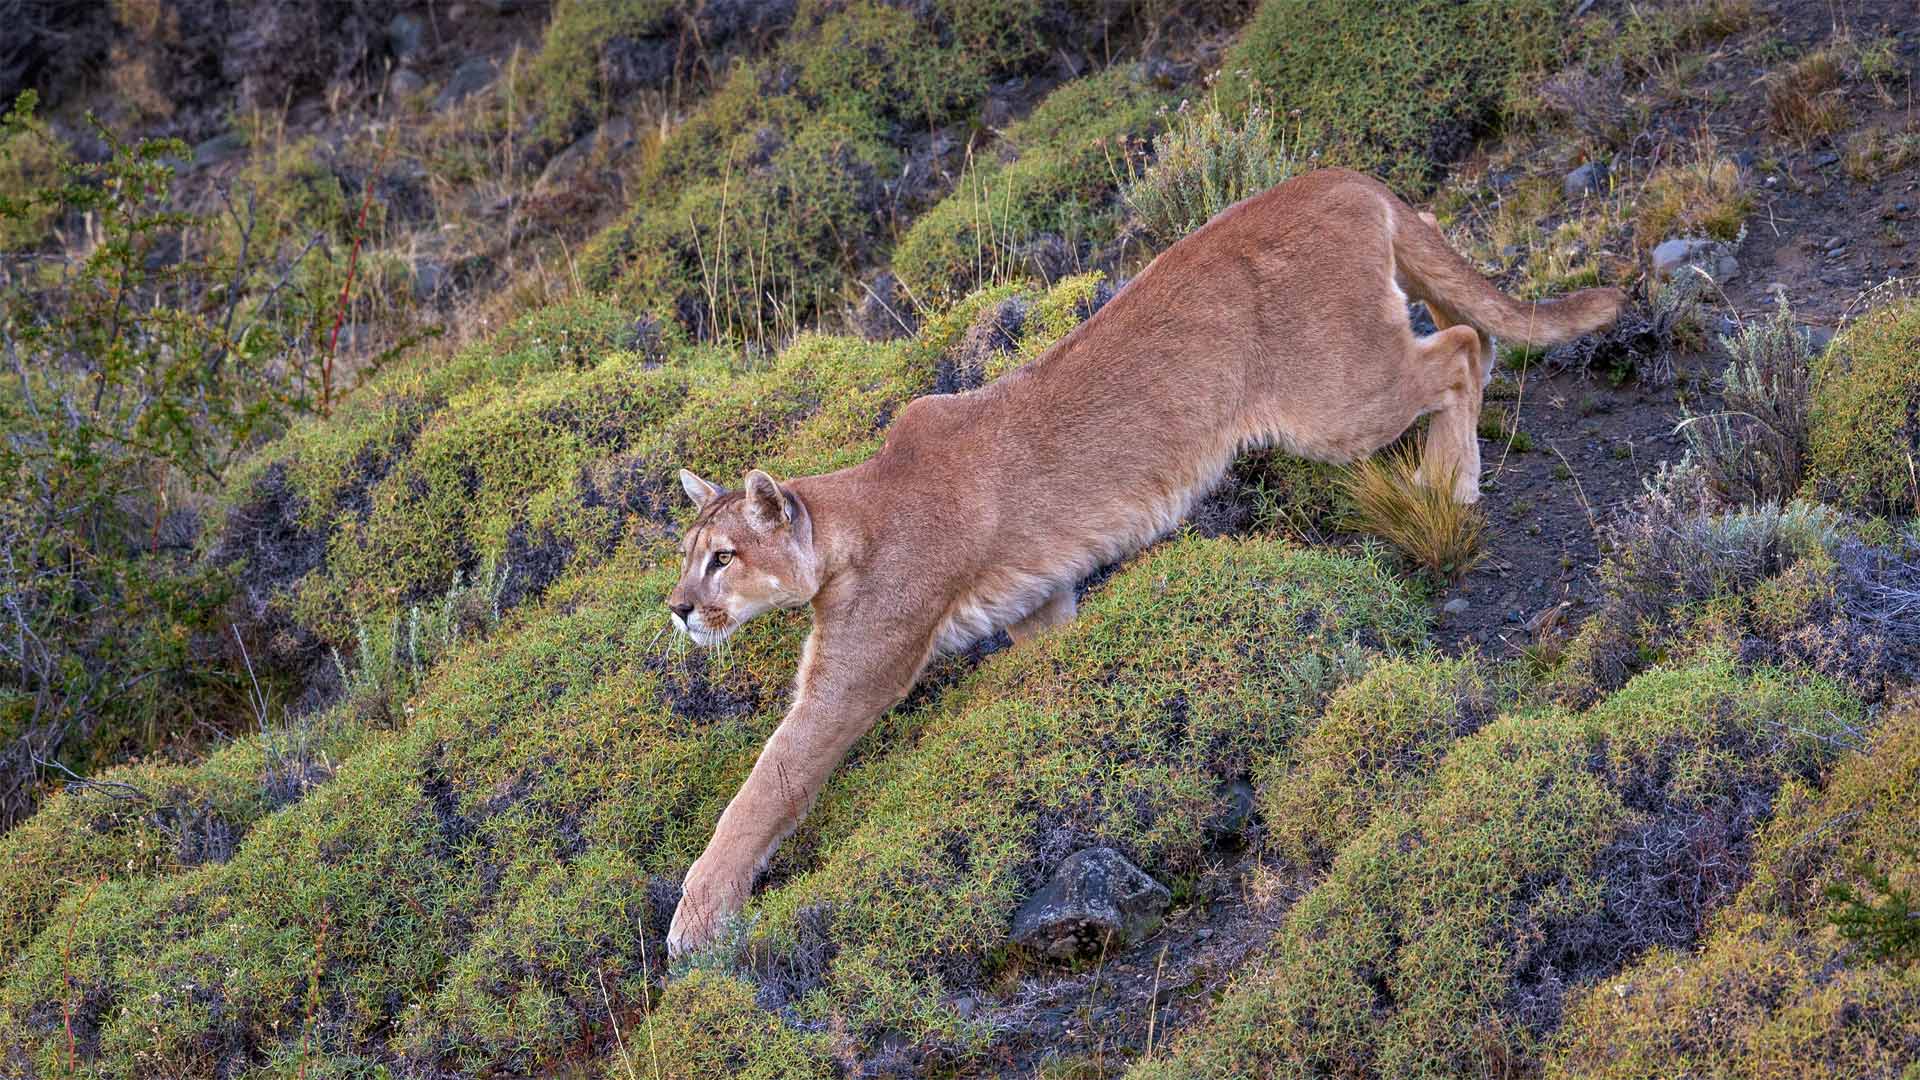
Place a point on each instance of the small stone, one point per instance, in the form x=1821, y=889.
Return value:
x=221, y=148
x=964, y=1006
x=1817, y=337
x=406, y=83
x=1836, y=243
x=1585, y=180
x=1711, y=256
x=471, y=77
x=1203, y=933
x=1459, y=605
x=406, y=35
x=565, y=165
x=1235, y=812
x=614, y=136
x=1826, y=159
x=1095, y=901
x=428, y=278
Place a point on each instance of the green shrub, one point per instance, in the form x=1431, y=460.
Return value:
x=1203, y=163
x=1393, y=88
x=1372, y=751
x=708, y=1024
x=1865, y=437
x=1754, y=449
x=30, y=157
x=1433, y=946
x=566, y=70
x=1774, y=991
x=1057, y=177
x=1190, y=664
x=140, y=376
x=750, y=216
x=1759, y=1000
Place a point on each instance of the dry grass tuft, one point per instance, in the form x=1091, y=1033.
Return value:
x=1704, y=196
x=1808, y=99
x=1391, y=502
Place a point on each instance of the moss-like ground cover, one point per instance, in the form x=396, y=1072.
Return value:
x=470, y=890
x=1444, y=934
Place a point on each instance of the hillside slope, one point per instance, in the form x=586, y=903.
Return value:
x=417, y=761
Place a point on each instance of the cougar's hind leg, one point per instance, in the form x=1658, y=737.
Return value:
x=1055, y=610
x=1451, y=360
x=1445, y=317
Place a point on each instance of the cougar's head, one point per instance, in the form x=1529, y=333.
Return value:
x=748, y=552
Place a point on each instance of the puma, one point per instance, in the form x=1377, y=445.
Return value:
x=1283, y=321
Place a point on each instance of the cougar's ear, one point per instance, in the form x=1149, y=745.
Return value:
x=768, y=507
x=697, y=489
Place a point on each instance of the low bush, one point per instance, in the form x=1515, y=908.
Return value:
x=498, y=854
x=1703, y=196
x=1189, y=665
x=1553, y=848
x=1774, y=991
x=1373, y=751
x=1789, y=585
x=1395, y=89
x=1754, y=450
x=140, y=374
x=1865, y=427
x=595, y=51
x=1044, y=200
x=798, y=170
x=1204, y=163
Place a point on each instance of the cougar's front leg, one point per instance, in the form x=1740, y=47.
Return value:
x=840, y=696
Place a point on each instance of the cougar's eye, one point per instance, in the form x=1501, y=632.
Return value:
x=720, y=559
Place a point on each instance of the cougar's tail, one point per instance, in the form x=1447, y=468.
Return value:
x=1429, y=270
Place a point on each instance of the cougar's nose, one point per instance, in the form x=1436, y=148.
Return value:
x=682, y=610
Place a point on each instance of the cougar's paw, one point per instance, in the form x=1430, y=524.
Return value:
x=708, y=901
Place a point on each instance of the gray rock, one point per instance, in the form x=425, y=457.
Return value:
x=406, y=83
x=406, y=36
x=221, y=148
x=1096, y=901
x=471, y=77
x=428, y=279
x=615, y=135
x=1817, y=337
x=1826, y=159
x=1585, y=180
x=1459, y=605
x=1711, y=256
x=566, y=164
x=884, y=312
x=1229, y=822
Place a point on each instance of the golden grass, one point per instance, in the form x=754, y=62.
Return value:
x=1808, y=99
x=1705, y=196
x=1391, y=502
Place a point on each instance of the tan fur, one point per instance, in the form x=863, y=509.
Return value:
x=1282, y=321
